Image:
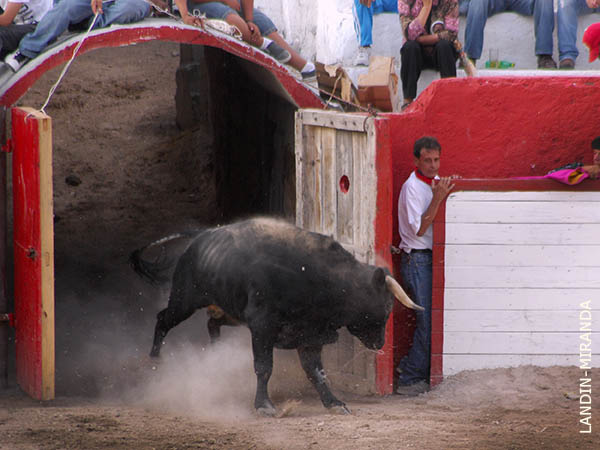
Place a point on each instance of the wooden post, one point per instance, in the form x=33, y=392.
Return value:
x=33, y=251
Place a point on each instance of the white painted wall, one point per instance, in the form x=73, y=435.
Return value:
x=517, y=267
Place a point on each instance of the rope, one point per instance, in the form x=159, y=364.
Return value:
x=64, y=71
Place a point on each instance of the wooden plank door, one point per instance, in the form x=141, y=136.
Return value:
x=344, y=190
x=33, y=252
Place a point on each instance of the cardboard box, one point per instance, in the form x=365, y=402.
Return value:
x=379, y=87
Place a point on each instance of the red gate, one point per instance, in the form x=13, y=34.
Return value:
x=33, y=251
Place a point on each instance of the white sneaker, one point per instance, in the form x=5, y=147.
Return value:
x=362, y=57
x=16, y=60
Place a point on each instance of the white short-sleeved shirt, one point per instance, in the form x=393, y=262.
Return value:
x=31, y=11
x=414, y=199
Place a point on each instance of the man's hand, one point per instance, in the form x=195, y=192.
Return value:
x=593, y=4
x=96, y=6
x=593, y=171
x=188, y=19
x=255, y=36
x=367, y=3
x=445, y=35
x=441, y=188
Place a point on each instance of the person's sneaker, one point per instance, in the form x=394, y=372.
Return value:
x=546, y=62
x=362, y=57
x=278, y=52
x=16, y=60
x=412, y=390
x=567, y=64
x=309, y=75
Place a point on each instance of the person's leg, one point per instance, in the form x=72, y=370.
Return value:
x=267, y=28
x=416, y=271
x=11, y=35
x=411, y=64
x=122, y=12
x=444, y=57
x=543, y=16
x=297, y=61
x=566, y=19
x=53, y=24
x=363, y=24
x=478, y=12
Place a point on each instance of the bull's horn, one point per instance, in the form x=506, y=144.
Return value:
x=395, y=288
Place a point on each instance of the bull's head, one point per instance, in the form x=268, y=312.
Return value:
x=370, y=325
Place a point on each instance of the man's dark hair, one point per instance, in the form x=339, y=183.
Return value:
x=596, y=143
x=426, y=142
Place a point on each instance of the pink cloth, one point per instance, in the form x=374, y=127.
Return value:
x=565, y=176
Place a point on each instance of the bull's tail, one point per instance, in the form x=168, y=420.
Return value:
x=154, y=271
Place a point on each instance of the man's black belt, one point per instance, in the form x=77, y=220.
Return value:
x=421, y=250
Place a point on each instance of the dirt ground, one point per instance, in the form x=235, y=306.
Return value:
x=125, y=174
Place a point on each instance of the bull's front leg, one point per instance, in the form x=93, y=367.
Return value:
x=310, y=358
x=263, y=367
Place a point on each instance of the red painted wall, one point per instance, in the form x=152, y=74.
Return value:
x=499, y=127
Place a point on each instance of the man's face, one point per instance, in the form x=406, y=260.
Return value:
x=429, y=162
x=596, y=158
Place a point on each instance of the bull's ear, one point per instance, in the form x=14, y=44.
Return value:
x=378, y=278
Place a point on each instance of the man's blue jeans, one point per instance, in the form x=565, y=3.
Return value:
x=363, y=18
x=480, y=10
x=416, y=272
x=566, y=21
x=67, y=12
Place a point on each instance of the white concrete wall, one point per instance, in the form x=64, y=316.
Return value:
x=324, y=30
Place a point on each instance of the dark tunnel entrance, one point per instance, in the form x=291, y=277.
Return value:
x=131, y=165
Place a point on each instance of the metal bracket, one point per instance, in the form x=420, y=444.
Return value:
x=8, y=317
x=7, y=146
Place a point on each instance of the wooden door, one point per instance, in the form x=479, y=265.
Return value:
x=33, y=251
x=344, y=190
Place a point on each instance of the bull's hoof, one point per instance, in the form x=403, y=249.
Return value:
x=266, y=411
x=341, y=409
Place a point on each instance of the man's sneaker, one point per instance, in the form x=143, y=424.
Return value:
x=309, y=75
x=567, y=64
x=362, y=57
x=278, y=52
x=546, y=62
x=16, y=60
x=412, y=390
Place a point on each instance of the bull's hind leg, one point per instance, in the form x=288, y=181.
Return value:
x=263, y=367
x=310, y=358
x=171, y=316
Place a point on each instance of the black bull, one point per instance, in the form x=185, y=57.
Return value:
x=293, y=289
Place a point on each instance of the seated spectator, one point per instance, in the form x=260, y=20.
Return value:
x=591, y=39
x=70, y=12
x=429, y=31
x=17, y=19
x=256, y=28
x=477, y=12
x=566, y=19
x=363, y=25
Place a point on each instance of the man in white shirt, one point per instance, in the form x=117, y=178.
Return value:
x=17, y=19
x=421, y=196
